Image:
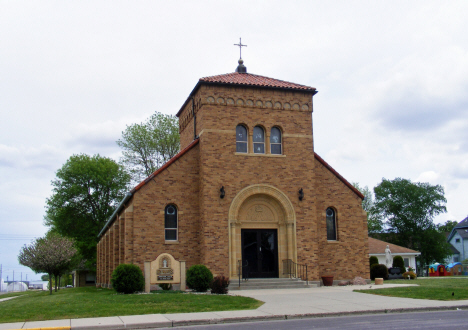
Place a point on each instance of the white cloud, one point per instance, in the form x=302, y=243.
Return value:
x=392, y=81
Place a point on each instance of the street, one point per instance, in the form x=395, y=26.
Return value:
x=454, y=319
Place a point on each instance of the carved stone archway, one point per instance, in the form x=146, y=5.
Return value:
x=262, y=206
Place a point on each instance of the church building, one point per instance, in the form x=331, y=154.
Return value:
x=246, y=189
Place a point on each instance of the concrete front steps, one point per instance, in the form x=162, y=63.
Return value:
x=270, y=283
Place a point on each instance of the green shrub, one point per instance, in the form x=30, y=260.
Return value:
x=199, y=278
x=127, y=278
x=412, y=275
x=165, y=286
x=220, y=285
x=373, y=260
x=379, y=271
x=398, y=262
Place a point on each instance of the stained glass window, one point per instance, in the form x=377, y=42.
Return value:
x=331, y=224
x=170, y=223
x=259, y=140
x=241, y=138
x=275, y=141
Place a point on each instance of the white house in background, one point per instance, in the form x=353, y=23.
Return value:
x=38, y=285
x=377, y=248
x=458, y=238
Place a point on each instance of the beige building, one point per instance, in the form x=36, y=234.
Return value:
x=246, y=188
x=377, y=249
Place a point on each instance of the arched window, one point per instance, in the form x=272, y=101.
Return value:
x=241, y=138
x=275, y=141
x=259, y=140
x=331, y=224
x=170, y=223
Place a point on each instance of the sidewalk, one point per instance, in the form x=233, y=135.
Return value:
x=279, y=304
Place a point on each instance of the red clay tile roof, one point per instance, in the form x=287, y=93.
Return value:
x=377, y=246
x=249, y=79
x=246, y=79
x=338, y=175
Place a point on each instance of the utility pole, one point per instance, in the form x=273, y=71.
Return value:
x=1, y=278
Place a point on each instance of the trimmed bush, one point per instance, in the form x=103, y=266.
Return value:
x=220, y=285
x=373, y=260
x=399, y=262
x=127, y=278
x=379, y=271
x=165, y=286
x=199, y=278
x=412, y=275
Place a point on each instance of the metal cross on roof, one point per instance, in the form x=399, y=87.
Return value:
x=240, y=47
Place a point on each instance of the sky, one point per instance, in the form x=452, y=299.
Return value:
x=392, y=78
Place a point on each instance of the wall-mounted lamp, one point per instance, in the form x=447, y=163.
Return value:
x=301, y=194
x=222, y=192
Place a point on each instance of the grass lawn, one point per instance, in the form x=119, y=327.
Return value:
x=434, y=288
x=93, y=302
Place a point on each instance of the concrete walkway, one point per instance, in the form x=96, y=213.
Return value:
x=279, y=304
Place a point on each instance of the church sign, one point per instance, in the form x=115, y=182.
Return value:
x=165, y=269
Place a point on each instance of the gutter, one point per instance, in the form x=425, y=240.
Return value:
x=117, y=210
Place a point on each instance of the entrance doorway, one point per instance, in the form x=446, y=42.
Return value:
x=259, y=253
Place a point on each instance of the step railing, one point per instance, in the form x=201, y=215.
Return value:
x=295, y=270
x=242, y=271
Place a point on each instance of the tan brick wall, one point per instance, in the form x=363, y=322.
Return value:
x=193, y=181
x=349, y=254
x=178, y=185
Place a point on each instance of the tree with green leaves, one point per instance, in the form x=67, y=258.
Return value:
x=52, y=254
x=374, y=220
x=408, y=210
x=148, y=145
x=86, y=191
x=447, y=226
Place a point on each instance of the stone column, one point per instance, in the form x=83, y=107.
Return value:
x=183, y=281
x=233, y=249
x=147, y=276
x=290, y=228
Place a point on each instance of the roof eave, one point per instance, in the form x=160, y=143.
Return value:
x=312, y=90
x=142, y=183
x=338, y=175
x=114, y=215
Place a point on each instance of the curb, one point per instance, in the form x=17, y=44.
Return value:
x=255, y=318
x=45, y=328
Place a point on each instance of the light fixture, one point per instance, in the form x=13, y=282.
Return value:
x=222, y=192
x=301, y=194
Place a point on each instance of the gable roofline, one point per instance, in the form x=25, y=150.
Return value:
x=338, y=175
x=145, y=181
x=275, y=84
x=462, y=224
x=166, y=165
x=377, y=247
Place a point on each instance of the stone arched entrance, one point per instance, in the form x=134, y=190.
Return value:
x=266, y=209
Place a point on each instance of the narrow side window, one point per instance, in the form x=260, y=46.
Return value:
x=331, y=224
x=259, y=140
x=170, y=223
x=241, y=138
x=275, y=141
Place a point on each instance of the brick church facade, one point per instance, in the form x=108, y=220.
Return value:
x=246, y=188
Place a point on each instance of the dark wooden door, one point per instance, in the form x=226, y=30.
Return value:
x=260, y=253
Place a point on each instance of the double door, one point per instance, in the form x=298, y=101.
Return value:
x=259, y=253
